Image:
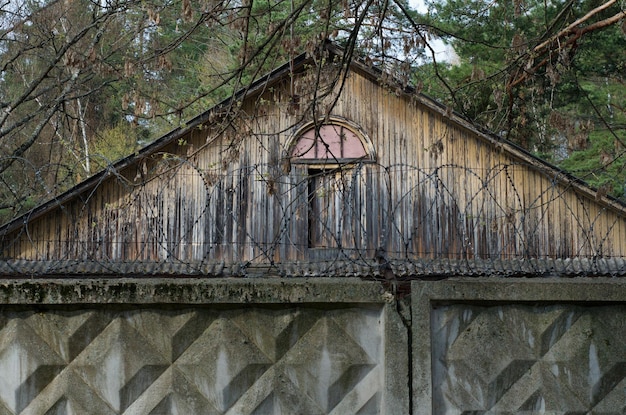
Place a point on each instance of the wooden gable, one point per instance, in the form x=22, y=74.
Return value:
x=234, y=187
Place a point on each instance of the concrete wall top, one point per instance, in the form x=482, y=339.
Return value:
x=190, y=291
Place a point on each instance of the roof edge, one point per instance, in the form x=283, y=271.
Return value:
x=404, y=269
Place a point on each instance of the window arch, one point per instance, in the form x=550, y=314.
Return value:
x=335, y=141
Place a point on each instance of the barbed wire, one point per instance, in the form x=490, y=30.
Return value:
x=179, y=217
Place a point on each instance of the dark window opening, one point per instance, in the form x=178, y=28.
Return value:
x=329, y=194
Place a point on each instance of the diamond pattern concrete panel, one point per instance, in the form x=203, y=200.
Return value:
x=194, y=360
x=520, y=358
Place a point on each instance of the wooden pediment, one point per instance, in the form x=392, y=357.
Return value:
x=251, y=180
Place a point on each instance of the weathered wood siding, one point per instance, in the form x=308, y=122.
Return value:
x=437, y=189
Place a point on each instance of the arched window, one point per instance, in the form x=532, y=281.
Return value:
x=332, y=155
x=329, y=143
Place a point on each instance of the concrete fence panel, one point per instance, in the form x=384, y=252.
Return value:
x=519, y=346
x=201, y=347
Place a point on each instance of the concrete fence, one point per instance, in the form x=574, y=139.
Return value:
x=312, y=346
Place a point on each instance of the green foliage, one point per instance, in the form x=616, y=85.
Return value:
x=524, y=75
x=602, y=164
x=116, y=143
x=83, y=81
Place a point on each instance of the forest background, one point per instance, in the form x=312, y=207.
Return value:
x=86, y=82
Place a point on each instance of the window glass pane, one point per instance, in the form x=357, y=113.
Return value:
x=329, y=142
